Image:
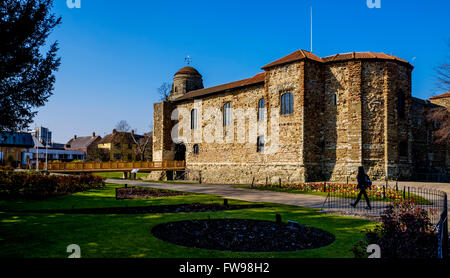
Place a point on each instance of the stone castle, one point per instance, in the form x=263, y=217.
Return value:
x=333, y=114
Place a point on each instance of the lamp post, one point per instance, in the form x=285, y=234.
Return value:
x=37, y=155
x=46, y=154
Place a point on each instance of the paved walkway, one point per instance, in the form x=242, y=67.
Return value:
x=228, y=191
x=251, y=195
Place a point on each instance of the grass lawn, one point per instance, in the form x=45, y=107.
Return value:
x=275, y=188
x=47, y=235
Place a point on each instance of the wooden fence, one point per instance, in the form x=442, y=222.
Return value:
x=113, y=166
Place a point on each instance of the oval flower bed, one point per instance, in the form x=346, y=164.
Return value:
x=242, y=235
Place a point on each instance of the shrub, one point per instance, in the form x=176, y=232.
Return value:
x=405, y=231
x=36, y=185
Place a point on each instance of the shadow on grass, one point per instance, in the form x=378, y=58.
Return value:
x=32, y=235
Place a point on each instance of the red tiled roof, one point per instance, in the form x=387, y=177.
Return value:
x=303, y=54
x=259, y=78
x=188, y=70
x=362, y=55
x=295, y=56
x=446, y=95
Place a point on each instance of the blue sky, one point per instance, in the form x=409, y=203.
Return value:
x=116, y=53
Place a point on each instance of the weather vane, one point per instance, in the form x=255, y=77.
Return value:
x=188, y=60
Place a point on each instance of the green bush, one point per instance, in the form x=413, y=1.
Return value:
x=36, y=185
x=405, y=231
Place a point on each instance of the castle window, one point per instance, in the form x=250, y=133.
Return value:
x=287, y=104
x=261, y=108
x=401, y=105
x=334, y=99
x=176, y=89
x=196, y=149
x=227, y=114
x=194, y=119
x=260, y=144
x=403, y=148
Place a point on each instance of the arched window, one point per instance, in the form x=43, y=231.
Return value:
x=227, y=114
x=403, y=148
x=194, y=119
x=261, y=109
x=287, y=104
x=401, y=105
x=196, y=149
x=334, y=99
x=260, y=144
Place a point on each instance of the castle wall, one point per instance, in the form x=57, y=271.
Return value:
x=345, y=115
x=373, y=124
x=236, y=160
x=398, y=129
x=336, y=121
x=162, y=127
x=444, y=102
x=314, y=105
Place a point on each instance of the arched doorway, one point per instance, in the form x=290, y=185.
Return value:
x=180, y=155
x=180, y=152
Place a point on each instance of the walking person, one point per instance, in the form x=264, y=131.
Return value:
x=363, y=184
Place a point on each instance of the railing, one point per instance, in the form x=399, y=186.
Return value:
x=341, y=198
x=112, y=165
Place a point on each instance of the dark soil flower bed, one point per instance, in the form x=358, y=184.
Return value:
x=152, y=209
x=242, y=235
x=144, y=193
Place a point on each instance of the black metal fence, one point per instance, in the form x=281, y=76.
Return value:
x=342, y=198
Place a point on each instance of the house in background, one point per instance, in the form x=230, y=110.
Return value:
x=86, y=144
x=26, y=148
x=49, y=153
x=121, y=146
x=12, y=145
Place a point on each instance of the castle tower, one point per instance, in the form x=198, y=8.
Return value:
x=185, y=80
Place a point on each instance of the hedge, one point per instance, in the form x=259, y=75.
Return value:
x=36, y=185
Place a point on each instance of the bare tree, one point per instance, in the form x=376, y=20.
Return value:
x=443, y=73
x=143, y=142
x=440, y=116
x=123, y=126
x=164, y=91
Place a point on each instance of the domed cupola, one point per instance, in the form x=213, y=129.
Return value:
x=185, y=80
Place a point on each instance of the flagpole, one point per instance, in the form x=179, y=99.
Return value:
x=311, y=29
x=46, y=154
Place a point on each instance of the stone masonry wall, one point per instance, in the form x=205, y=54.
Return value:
x=445, y=102
x=336, y=122
x=345, y=115
x=314, y=103
x=237, y=160
x=373, y=127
